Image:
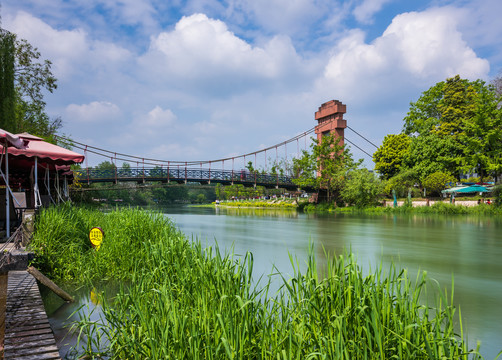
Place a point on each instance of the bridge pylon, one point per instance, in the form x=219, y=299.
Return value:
x=330, y=120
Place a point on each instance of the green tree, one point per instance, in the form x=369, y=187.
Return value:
x=106, y=165
x=390, y=155
x=305, y=170
x=166, y=195
x=361, y=188
x=32, y=76
x=218, y=191
x=325, y=167
x=250, y=167
x=424, y=114
x=482, y=136
x=447, y=123
x=429, y=153
x=437, y=181
x=7, y=89
x=405, y=180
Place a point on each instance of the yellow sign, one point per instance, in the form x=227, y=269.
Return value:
x=96, y=236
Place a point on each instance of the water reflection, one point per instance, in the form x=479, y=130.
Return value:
x=62, y=314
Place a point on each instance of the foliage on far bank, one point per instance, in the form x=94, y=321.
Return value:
x=186, y=302
x=325, y=167
x=436, y=181
x=454, y=128
x=361, y=188
x=260, y=204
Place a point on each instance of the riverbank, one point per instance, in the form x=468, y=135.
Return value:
x=419, y=207
x=259, y=203
x=187, y=302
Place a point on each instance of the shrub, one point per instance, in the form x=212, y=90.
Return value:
x=437, y=181
x=361, y=188
x=403, y=181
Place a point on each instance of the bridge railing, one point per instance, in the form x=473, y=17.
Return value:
x=181, y=174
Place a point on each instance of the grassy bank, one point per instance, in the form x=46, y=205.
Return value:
x=186, y=302
x=436, y=208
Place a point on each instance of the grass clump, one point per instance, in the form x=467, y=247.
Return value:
x=63, y=249
x=186, y=302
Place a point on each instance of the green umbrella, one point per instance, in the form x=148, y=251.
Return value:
x=466, y=189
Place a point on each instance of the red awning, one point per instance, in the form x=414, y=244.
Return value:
x=45, y=151
x=12, y=140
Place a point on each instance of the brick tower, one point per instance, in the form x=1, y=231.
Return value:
x=330, y=120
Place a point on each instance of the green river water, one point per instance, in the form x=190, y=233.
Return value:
x=469, y=248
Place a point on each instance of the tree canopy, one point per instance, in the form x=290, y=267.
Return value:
x=390, y=155
x=325, y=167
x=24, y=77
x=455, y=127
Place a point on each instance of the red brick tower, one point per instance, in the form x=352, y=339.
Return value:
x=330, y=120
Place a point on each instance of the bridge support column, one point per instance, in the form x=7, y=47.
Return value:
x=330, y=120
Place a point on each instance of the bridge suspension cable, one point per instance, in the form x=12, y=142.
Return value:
x=149, y=161
x=350, y=142
x=348, y=127
x=114, y=156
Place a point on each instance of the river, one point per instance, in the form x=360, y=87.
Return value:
x=467, y=248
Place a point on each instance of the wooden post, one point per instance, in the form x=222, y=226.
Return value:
x=51, y=285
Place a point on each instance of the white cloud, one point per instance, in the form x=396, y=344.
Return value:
x=365, y=11
x=205, y=88
x=203, y=49
x=155, y=122
x=94, y=112
x=69, y=50
x=147, y=129
x=420, y=48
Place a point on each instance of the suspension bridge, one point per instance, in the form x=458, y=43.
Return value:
x=276, y=170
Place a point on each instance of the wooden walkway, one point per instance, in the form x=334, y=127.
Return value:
x=28, y=334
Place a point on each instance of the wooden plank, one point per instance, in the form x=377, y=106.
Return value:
x=33, y=351
x=47, y=356
x=13, y=333
x=28, y=334
x=32, y=338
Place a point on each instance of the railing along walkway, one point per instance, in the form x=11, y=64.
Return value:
x=185, y=175
x=28, y=334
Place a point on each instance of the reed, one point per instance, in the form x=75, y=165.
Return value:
x=181, y=301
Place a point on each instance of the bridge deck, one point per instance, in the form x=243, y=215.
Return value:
x=28, y=334
x=185, y=175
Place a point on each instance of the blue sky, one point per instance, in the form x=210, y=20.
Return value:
x=206, y=79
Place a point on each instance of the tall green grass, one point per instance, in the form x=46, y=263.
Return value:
x=185, y=302
x=63, y=250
